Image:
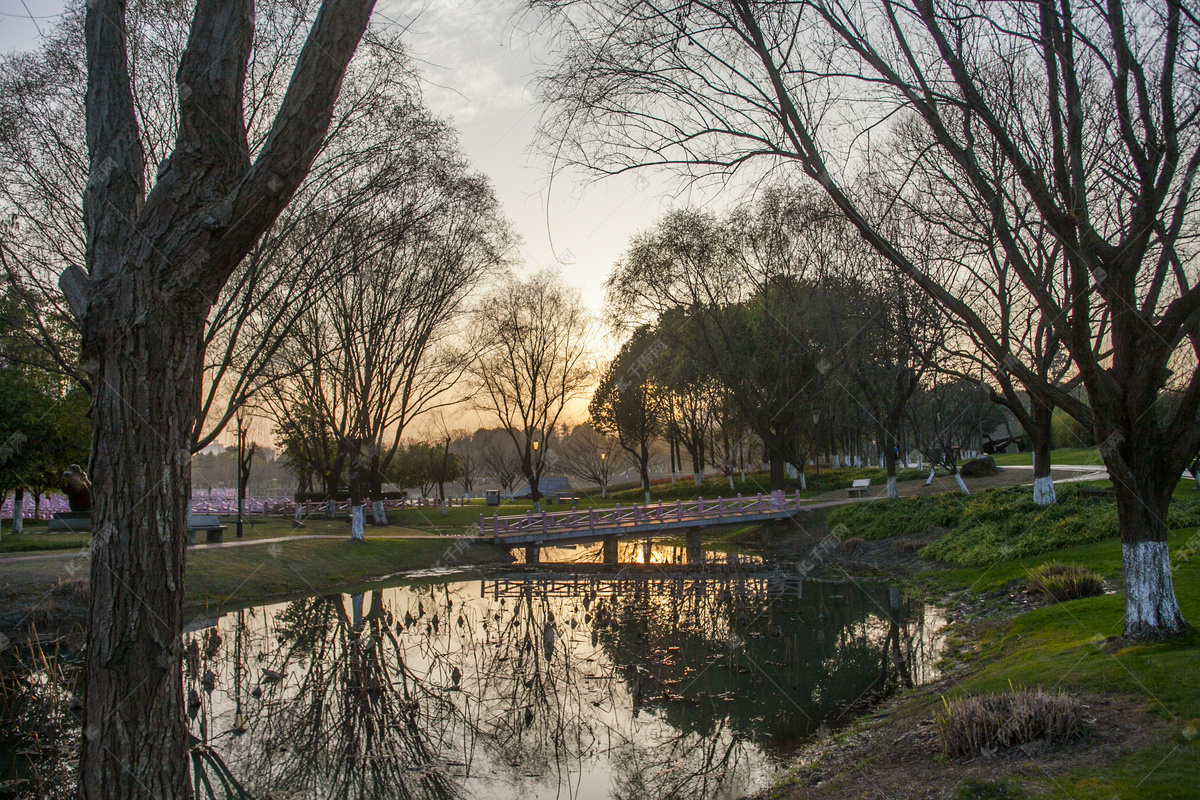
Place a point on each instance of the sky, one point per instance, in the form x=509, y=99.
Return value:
x=478, y=59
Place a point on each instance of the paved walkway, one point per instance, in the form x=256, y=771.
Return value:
x=74, y=553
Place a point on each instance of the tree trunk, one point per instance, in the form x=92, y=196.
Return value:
x=889, y=458
x=778, y=480
x=1151, y=611
x=141, y=472
x=18, y=510
x=1043, y=484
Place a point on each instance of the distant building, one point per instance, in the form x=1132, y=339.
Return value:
x=214, y=449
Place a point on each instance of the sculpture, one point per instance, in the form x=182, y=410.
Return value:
x=77, y=488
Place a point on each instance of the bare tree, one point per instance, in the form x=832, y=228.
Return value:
x=154, y=260
x=532, y=348
x=43, y=154
x=1094, y=132
x=501, y=461
x=589, y=455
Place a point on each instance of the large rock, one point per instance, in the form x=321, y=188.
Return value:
x=979, y=467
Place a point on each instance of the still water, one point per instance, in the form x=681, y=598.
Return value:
x=523, y=685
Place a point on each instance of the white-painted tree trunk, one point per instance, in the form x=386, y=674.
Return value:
x=604, y=490
x=698, y=477
x=18, y=512
x=378, y=515
x=961, y=483
x=445, y=507
x=730, y=476
x=647, y=497
x=1196, y=478
x=893, y=491
x=1150, y=605
x=932, y=471
x=1043, y=491
x=299, y=513
x=836, y=462
x=357, y=524
x=803, y=481
x=330, y=508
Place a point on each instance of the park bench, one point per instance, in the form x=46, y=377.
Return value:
x=1096, y=491
x=214, y=531
x=860, y=488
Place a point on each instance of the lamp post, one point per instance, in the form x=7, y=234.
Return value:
x=816, y=415
x=603, y=477
x=241, y=446
x=537, y=495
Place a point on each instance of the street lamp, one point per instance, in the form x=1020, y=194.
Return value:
x=816, y=415
x=603, y=477
x=533, y=490
x=241, y=472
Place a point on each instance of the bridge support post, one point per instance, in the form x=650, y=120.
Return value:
x=695, y=554
x=610, y=549
x=532, y=552
x=647, y=551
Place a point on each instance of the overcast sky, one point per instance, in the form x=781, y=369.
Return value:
x=478, y=64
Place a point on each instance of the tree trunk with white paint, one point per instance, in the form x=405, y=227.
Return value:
x=803, y=482
x=1042, y=415
x=961, y=483
x=378, y=514
x=932, y=473
x=1151, y=610
x=893, y=491
x=357, y=523
x=18, y=520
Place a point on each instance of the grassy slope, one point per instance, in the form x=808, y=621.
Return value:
x=1056, y=646
x=1066, y=455
x=999, y=524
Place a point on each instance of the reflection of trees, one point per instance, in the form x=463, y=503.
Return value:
x=670, y=687
x=346, y=718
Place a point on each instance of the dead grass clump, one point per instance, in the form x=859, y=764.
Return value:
x=76, y=589
x=1063, y=582
x=974, y=726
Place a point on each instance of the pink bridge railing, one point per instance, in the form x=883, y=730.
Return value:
x=638, y=516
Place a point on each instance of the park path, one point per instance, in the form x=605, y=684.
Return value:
x=73, y=553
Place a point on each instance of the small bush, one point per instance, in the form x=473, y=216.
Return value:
x=975, y=789
x=1064, y=582
x=980, y=467
x=971, y=726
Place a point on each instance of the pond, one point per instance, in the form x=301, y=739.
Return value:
x=544, y=686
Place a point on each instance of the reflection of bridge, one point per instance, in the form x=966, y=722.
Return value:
x=761, y=584
x=534, y=531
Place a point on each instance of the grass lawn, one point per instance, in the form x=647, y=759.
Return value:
x=242, y=574
x=1066, y=455
x=1057, y=647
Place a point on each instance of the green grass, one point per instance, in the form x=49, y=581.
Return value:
x=998, y=524
x=718, y=485
x=38, y=539
x=1073, y=456
x=243, y=574
x=1056, y=647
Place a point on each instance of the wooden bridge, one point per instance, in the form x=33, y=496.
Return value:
x=533, y=531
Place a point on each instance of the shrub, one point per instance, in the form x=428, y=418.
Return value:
x=1064, y=582
x=971, y=726
x=979, y=467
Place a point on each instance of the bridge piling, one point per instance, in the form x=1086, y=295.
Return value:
x=532, y=553
x=610, y=549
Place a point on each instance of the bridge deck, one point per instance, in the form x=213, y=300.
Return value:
x=564, y=527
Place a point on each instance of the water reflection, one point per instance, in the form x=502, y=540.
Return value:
x=641, y=551
x=571, y=686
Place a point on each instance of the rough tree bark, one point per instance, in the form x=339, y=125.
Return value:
x=153, y=262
